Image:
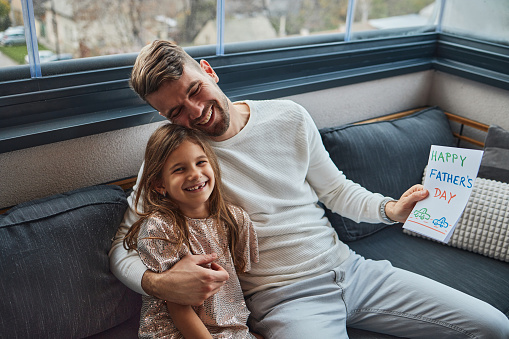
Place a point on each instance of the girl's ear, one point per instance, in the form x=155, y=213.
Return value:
x=159, y=187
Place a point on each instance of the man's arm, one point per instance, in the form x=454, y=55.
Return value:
x=191, y=284
x=127, y=265
x=187, y=282
x=338, y=193
x=347, y=198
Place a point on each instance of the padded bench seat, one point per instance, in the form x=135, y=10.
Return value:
x=477, y=275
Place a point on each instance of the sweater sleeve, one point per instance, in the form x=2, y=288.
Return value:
x=127, y=265
x=338, y=193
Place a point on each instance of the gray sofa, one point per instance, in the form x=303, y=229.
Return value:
x=54, y=276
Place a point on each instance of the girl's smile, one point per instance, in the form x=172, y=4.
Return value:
x=197, y=187
x=188, y=179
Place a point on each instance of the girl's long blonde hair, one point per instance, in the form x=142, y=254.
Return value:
x=166, y=139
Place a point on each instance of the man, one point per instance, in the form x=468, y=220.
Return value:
x=307, y=283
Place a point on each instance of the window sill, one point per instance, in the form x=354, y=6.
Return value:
x=94, y=97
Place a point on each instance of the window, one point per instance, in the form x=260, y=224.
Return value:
x=484, y=20
x=70, y=29
x=394, y=16
x=13, y=47
x=260, y=49
x=264, y=20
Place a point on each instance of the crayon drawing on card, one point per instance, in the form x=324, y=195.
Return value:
x=449, y=178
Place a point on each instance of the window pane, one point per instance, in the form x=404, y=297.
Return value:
x=196, y=17
x=88, y=28
x=268, y=19
x=397, y=17
x=13, y=46
x=485, y=20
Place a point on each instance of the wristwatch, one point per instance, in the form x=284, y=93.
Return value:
x=382, y=211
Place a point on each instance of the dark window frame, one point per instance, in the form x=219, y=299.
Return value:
x=84, y=97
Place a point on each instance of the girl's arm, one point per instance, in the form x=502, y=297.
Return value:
x=187, y=321
x=159, y=255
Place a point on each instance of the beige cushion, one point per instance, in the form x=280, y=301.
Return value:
x=484, y=225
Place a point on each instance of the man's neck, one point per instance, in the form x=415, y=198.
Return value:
x=239, y=116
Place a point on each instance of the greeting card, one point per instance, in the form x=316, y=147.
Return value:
x=449, y=178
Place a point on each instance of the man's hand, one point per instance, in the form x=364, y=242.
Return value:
x=188, y=282
x=400, y=210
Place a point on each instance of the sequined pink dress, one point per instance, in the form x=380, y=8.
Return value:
x=225, y=313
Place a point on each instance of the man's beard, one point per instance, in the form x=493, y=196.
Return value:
x=220, y=126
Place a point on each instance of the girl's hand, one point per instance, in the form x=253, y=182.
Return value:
x=188, y=282
x=400, y=210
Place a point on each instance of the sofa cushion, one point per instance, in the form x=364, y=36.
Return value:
x=386, y=157
x=495, y=161
x=54, y=267
x=474, y=274
x=484, y=225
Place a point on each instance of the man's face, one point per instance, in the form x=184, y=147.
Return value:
x=194, y=101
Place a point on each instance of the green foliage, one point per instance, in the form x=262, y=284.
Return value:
x=5, y=8
x=388, y=8
x=17, y=53
x=5, y=21
x=194, y=18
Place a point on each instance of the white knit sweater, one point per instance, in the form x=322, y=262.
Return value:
x=276, y=168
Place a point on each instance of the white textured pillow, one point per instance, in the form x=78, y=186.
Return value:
x=484, y=225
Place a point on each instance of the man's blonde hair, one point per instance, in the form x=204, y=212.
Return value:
x=158, y=62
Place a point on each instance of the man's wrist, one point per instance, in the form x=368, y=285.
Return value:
x=148, y=284
x=384, y=211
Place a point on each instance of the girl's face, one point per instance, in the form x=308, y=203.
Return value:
x=189, y=180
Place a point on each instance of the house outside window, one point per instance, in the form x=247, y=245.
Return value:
x=73, y=29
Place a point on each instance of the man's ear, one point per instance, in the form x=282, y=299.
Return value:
x=208, y=69
x=164, y=116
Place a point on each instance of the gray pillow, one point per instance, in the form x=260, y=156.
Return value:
x=483, y=226
x=54, y=268
x=495, y=161
x=386, y=157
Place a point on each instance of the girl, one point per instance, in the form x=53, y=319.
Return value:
x=184, y=213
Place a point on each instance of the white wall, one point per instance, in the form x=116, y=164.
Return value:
x=486, y=104
x=342, y=105
x=54, y=168
x=44, y=170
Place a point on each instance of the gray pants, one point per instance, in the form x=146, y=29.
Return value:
x=375, y=296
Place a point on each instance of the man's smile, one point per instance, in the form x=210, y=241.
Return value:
x=207, y=117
